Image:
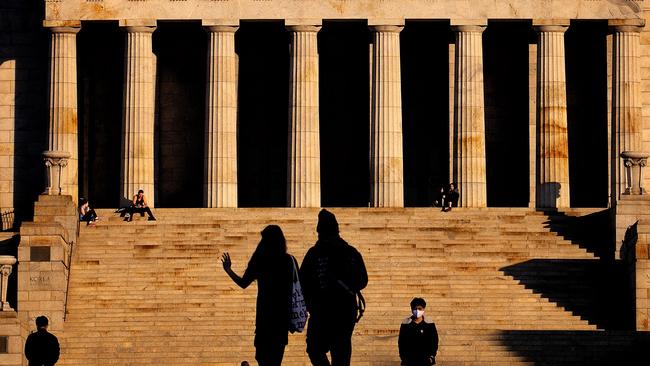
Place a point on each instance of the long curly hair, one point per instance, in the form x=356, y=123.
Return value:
x=272, y=246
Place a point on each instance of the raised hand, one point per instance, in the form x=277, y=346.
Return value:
x=225, y=259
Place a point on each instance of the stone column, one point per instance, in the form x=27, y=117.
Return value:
x=553, y=144
x=626, y=98
x=220, y=185
x=303, y=183
x=62, y=137
x=386, y=151
x=469, y=117
x=138, y=114
x=6, y=267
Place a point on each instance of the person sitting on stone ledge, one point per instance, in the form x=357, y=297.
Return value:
x=139, y=205
x=452, y=197
x=42, y=347
x=440, y=199
x=86, y=214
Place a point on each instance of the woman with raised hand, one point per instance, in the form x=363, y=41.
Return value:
x=272, y=267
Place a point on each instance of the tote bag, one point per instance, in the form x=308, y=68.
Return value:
x=297, y=306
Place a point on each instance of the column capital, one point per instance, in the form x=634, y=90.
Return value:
x=626, y=25
x=221, y=28
x=551, y=25
x=64, y=30
x=303, y=28
x=62, y=24
x=386, y=28
x=138, y=23
x=139, y=29
x=468, y=28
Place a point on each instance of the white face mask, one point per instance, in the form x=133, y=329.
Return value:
x=418, y=313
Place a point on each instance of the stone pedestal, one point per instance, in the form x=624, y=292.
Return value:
x=634, y=163
x=469, y=117
x=220, y=185
x=553, y=144
x=626, y=101
x=303, y=177
x=138, y=119
x=6, y=267
x=386, y=150
x=55, y=165
x=62, y=137
x=14, y=333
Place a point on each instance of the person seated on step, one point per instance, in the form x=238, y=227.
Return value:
x=452, y=197
x=418, y=337
x=86, y=214
x=139, y=205
x=440, y=199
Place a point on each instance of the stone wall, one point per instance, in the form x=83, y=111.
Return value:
x=23, y=104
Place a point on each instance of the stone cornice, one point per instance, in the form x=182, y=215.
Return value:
x=339, y=9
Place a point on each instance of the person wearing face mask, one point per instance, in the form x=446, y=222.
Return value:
x=418, y=337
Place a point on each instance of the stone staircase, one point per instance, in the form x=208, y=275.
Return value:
x=501, y=285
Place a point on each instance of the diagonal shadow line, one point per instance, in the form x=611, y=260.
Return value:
x=592, y=232
x=560, y=347
x=589, y=288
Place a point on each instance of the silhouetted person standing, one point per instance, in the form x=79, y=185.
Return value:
x=272, y=267
x=418, y=337
x=331, y=274
x=42, y=347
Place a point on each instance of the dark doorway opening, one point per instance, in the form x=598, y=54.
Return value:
x=425, y=109
x=344, y=113
x=263, y=49
x=507, y=118
x=586, y=73
x=101, y=76
x=180, y=107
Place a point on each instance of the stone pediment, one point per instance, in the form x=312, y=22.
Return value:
x=316, y=10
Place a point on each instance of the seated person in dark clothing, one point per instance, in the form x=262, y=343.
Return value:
x=42, y=347
x=452, y=196
x=86, y=213
x=139, y=205
x=440, y=199
x=418, y=337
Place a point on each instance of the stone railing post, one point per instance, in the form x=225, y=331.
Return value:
x=6, y=267
x=55, y=164
x=634, y=163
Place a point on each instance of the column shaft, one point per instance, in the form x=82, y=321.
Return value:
x=138, y=114
x=63, y=104
x=303, y=181
x=626, y=98
x=220, y=185
x=553, y=144
x=469, y=117
x=386, y=151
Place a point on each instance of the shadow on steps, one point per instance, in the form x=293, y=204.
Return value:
x=592, y=232
x=550, y=347
x=595, y=290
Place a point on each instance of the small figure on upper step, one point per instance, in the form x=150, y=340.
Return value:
x=418, y=337
x=452, y=197
x=440, y=198
x=139, y=205
x=42, y=347
x=86, y=214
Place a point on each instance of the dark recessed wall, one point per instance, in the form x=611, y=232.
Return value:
x=505, y=60
x=181, y=50
x=263, y=49
x=425, y=109
x=586, y=72
x=344, y=113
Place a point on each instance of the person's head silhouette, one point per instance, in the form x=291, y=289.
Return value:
x=327, y=224
x=41, y=322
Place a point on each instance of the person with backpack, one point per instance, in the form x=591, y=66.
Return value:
x=332, y=276
x=272, y=267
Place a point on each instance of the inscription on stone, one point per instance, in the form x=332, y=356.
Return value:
x=39, y=254
x=40, y=281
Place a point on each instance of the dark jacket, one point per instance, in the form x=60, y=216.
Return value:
x=331, y=274
x=42, y=348
x=418, y=343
